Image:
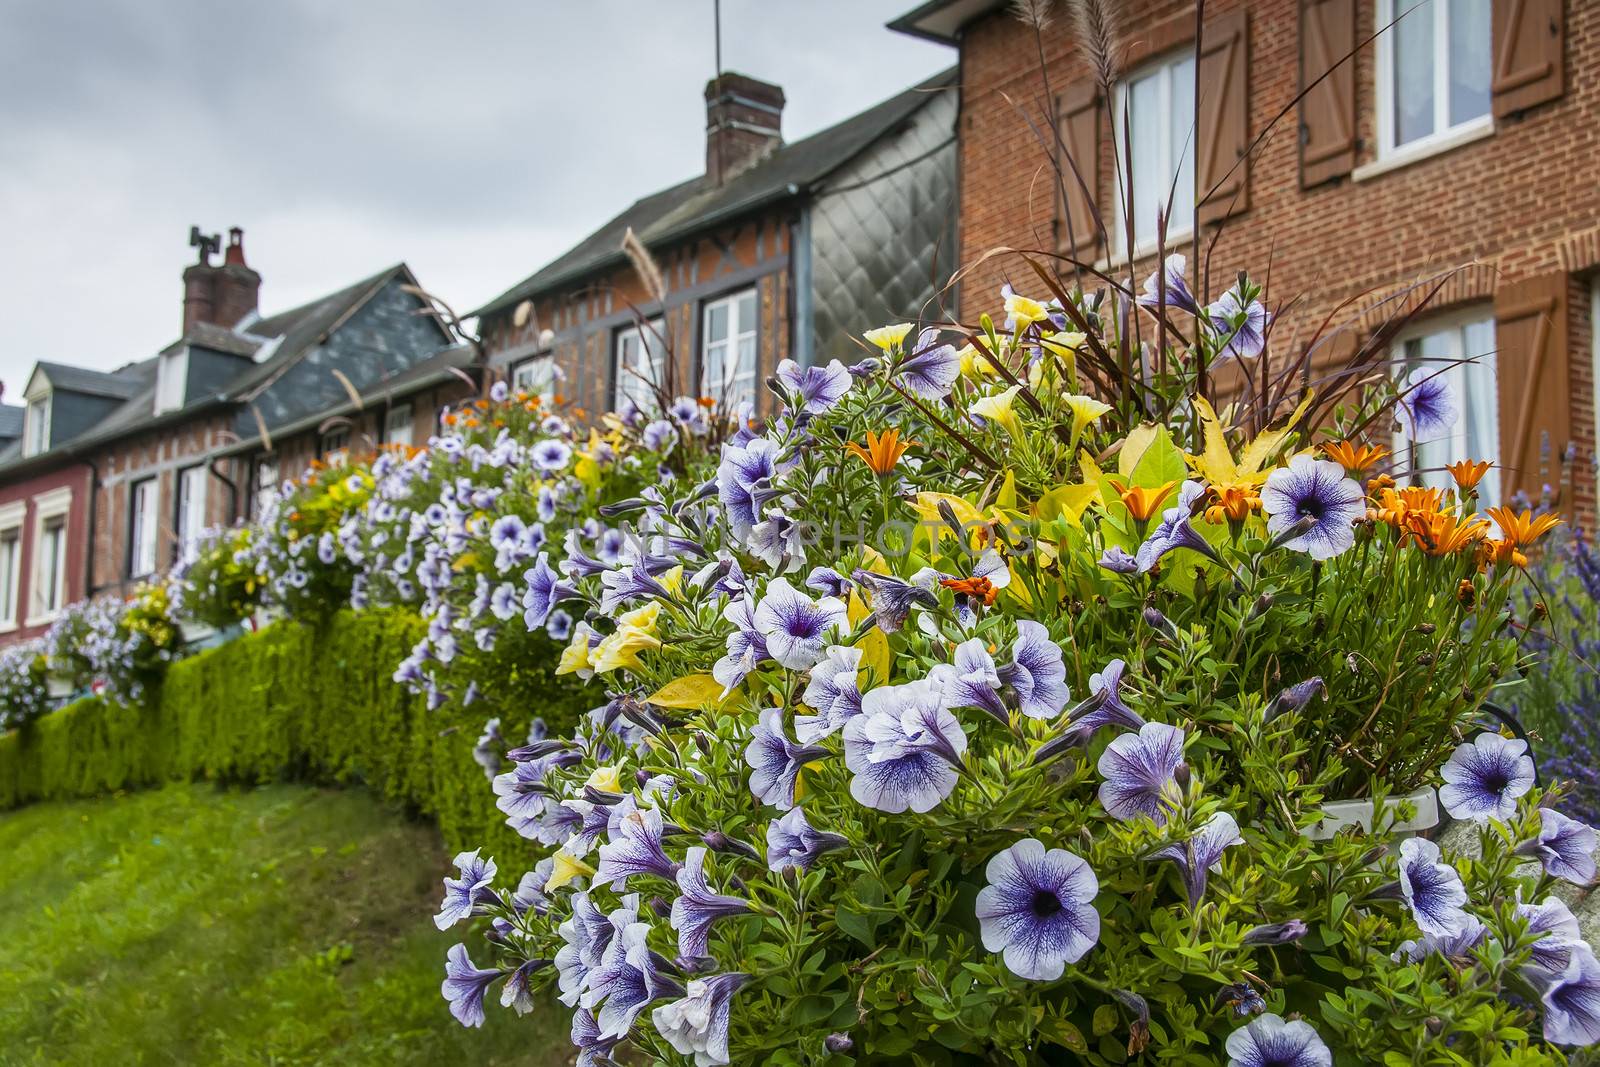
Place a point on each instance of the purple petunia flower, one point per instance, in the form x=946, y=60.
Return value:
x=1036, y=673
x=559, y=626
x=593, y=1050
x=587, y=933
x=545, y=590
x=517, y=993
x=635, y=848
x=462, y=894
x=627, y=979
x=793, y=842
x=1431, y=887
x=465, y=984
x=1037, y=910
x=828, y=582
x=1108, y=709
x=775, y=761
x=1564, y=847
x=1572, y=1001
x=1485, y=776
x=1457, y=945
x=1116, y=560
x=1270, y=1041
x=834, y=692
x=1139, y=769
x=550, y=455
x=746, y=646
x=1557, y=930
x=744, y=481
x=659, y=435
x=817, y=389
x=1427, y=405
x=972, y=680
x=903, y=748
x=794, y=625
x=628, y=583
x=932, y=368
x=1174, y=530
x=697, y=906
x=1318, y=491
x=1243, y=325
x=1177, y=287
x=1202, y=853
x=892, y=598
x=697, y=1025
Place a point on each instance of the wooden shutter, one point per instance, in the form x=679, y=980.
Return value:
x=1328, y=110
x=1223, y=119
x=1529, y=38
x=1080, y=113
x=1534, y=397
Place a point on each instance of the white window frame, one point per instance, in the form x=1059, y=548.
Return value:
x=172, y=372
x=263, y=486
x=729, y=393
x=1460, y=376
x=12, y=517
x=191, y=506
x=394, y=423
x=36, y=428
x=536, y=376
x=1444, y=135
x=47, y=596
x=335, y=447
x=652, y=343
x=1145, y=241
x=144, y=525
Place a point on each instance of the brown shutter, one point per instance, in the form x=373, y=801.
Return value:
x=1531, y=365
x=1328, y=110
x=1529, y=37
x=1223, y=119
x=1080, y=113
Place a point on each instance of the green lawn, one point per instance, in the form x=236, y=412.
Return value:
x=280, y=925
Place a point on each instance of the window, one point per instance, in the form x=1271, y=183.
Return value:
x=1159, y=104
x=265, y=485
x=191, y=507
x=11, y=516
x=1433, y=71
x=336, y=446
x=170, y=374
x=144, y=503
x=49, y=578
x=38, y=428
x=728, y=350
x=397, y=425
x=641, y=358
x=1435, y=348
x=536, y=377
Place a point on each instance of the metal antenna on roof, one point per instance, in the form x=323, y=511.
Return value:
x=716, y=13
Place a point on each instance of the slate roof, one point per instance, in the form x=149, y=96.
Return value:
x=116, y=384
x=698, y=204
x=11, y=416
x=217, y=338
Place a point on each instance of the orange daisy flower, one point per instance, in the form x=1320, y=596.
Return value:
x=1354, y=458
x=1142, y=502
x=1468, y=473
x=1441, y=534
x=881, y=453
x=976, y=587
x=1232, y=503
x=1517, y=532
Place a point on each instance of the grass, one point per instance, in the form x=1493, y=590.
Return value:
x=278, y=925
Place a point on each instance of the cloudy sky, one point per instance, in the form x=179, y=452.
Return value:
x=474, y=139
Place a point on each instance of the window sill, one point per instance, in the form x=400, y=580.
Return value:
x=41, y=620
x=1427, y=148
x=8, y=626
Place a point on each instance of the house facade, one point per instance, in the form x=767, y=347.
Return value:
x=777, y=251
x=1445, y=155
x=112, y=475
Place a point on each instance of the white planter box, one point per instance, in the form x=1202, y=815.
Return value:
x=194, y=631
x=58, y=688
x=1338, y=814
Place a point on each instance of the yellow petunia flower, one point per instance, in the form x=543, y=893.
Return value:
x=608, y=779
x=999, y=408
x=1024, y=311
x=1085, y=409
x=564, y=869
x=888, y=337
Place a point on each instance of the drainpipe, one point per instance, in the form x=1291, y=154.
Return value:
x=802, y=299
x=88, y=551
x=233, y=488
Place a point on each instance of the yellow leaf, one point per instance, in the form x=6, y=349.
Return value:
x=1133, y=448
x=872, y=560
x=587, y=471
x=1260, y=450
x=855, y=609
x=1216, y=463
x=1067, y=500
x=1007, y=497
x=1089, y=467
x=693, y=691
x=874, y=648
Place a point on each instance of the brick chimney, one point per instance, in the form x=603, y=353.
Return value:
x=220, y=295
x=743, y=123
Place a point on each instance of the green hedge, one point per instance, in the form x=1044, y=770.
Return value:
x=313, y=703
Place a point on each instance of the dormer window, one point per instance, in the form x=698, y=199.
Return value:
x=36, y=432
x=170, y=374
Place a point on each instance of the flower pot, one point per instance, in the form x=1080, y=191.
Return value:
x=1338, y=814
x=195, y=631
x=58, y=688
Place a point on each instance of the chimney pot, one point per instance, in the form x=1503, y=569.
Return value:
x=222, y=295
x=744, y=123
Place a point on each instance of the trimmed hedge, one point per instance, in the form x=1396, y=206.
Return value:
x=297, y=701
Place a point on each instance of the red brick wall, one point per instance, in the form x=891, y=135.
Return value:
x=74, y=477
x=1521, y=202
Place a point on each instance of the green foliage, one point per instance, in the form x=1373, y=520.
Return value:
x=294, y=702
x=276, y=925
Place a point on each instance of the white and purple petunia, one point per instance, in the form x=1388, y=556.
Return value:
x=746, y=647
x=1271, y=1041
x=814, y=390
x=1174, y=530
x=903, y=748
x=744, y=481
x=775, y=761
x=1241, y=325
x=793, y=842
x=1036, y=673
x=1202, y=853
x=697, y=1024
x=1456, y=945
x=465, y=984
x=932, y=368
x=1037, y=909
x=545, y=589
x=1108, y=707
x=1485, y=776
x=1318, y=492
x=627, y=979
x=1556, y=931
x=463, y=894
x=1564, y=847
x=1427, y=405
x=893, y=598
x=550, y=455
x=586, y=933
x=1139, y=771
x=634, y=848
x=1572, y=1001
x=593, y=1050
x=1177, y=294
x=972, y=680
x=698, y=905
x=794, y=626
x=833, y=692
x=1432, y=888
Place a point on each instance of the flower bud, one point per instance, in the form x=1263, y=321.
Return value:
x=1274, y=933
x=838, y=1043
x=661, y=907
x=719, y=842
x=1160, y=623
x=1262, y=605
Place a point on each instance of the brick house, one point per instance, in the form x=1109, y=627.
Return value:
x=1451, y=149
x=776, y=251
x=114, y=473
